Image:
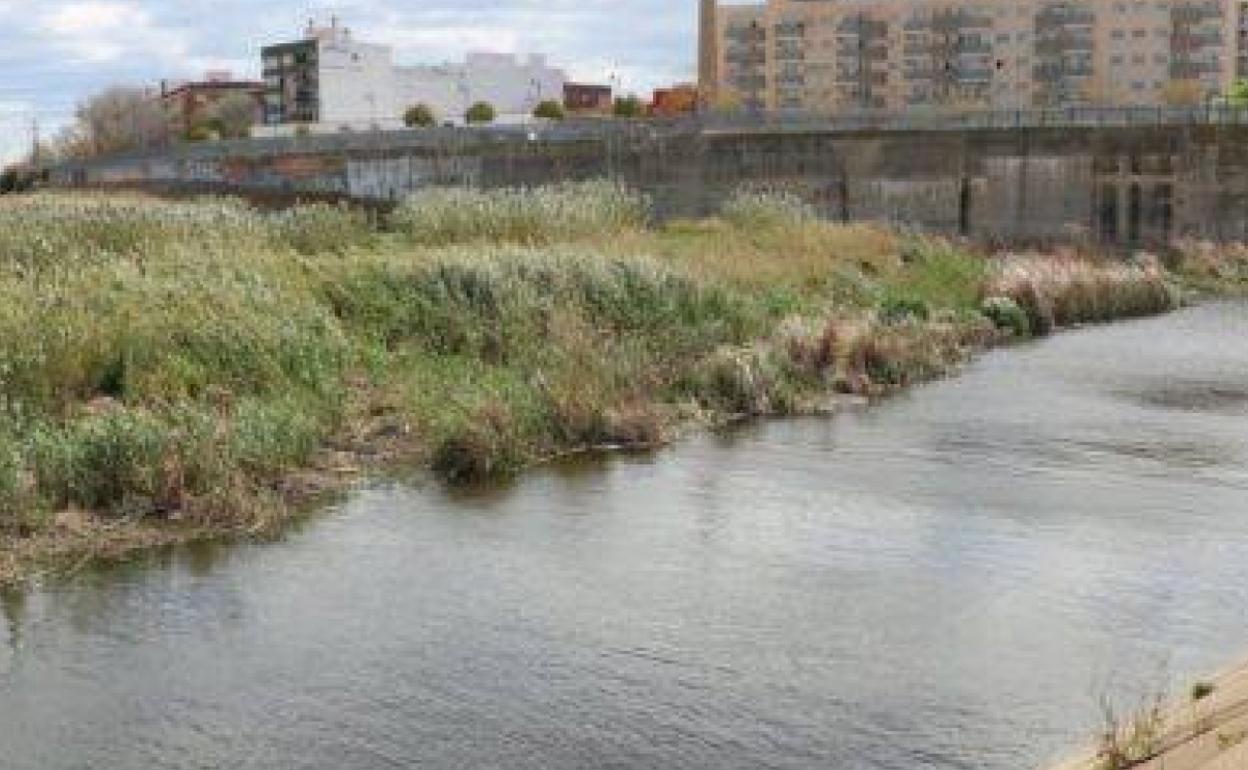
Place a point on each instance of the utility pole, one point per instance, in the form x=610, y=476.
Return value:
x=34, y=142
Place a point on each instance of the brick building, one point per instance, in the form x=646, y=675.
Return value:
x=674, y=101
x=587, y=99
x=193, y=103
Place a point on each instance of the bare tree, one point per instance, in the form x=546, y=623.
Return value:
x=68, y=144
x=234, y=116
x=1103, y=91
x=121, y=119
x=1183, y=93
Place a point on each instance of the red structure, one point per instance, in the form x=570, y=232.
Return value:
x=191, y=103
x=674, y=101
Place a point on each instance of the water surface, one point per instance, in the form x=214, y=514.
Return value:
x=946, y=581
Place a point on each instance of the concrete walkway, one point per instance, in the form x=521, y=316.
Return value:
x=1209, y=734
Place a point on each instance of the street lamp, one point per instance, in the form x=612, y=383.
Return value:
x=535, y=97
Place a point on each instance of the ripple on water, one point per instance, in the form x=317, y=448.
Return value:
x=1163, y=450
x=1223, y=398
x=945, y=582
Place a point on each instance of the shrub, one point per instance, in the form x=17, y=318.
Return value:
x=538, y=215
x=767, y=210
x=419, y=116
x=481, y=112
x=549, y=110
x=321, y=228
x=1130, y=739
x=882, y=362
x=812, y=350
x=896, y=310
x=628, y=107
x=59, y=232
x=941, y=275
x=1038, y=308
x=15, y=499
x=272, y=435
x=1062, y=292
x=103, y=462
x=742, y=381
x=15, y=180
x=496, y=305
x=478, y=446
x=1203, y=690
x=1006, y=315
x=199, y=133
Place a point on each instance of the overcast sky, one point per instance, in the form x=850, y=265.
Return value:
x=55, y=52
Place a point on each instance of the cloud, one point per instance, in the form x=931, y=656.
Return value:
x=54, y=53
x=102, y=31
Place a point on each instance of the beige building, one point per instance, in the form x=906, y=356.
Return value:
x=824, y=55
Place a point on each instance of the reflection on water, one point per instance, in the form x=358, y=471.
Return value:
x=12, y=607
x=942, y=582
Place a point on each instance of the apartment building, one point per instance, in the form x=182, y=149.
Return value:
x=329, y=81
x=821, y=55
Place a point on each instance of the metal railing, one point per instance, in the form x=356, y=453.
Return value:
x=619, y=133
x=925, y=119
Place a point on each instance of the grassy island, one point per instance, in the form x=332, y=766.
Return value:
x=175, y=370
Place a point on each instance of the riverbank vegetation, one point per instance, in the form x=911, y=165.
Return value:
x=170, y=369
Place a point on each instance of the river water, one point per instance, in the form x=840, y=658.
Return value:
x=946, y=581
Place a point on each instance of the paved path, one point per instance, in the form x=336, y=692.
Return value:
x=1211, y=734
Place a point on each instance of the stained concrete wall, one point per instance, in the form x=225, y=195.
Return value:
x=1127, y=186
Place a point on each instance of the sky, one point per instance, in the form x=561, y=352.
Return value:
x=53, y=53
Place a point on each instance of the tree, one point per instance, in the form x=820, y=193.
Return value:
x=10, y=180
x=1183, y=93
x=1238, y=95
x=629, y=107
x=549, y=110
x=234, y=116
x=726, y=103
x=419, y=116
x=121, y=119
x=198, y=133
x=1103, y=91
x=68, y=144
x=481, y=112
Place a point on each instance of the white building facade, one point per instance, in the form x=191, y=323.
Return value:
x=331, y=82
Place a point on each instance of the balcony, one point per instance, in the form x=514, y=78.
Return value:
x=1059, y=15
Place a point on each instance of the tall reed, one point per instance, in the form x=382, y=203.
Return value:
x=530, y=216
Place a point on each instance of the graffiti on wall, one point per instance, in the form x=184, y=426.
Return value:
x=392, y=178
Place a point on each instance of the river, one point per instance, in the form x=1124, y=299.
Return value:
x=947, y=580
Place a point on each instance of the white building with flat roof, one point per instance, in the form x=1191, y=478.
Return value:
x=329, y=81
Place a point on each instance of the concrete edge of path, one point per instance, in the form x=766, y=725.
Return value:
x=1209, y=734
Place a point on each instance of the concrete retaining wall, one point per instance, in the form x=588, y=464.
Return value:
x=1127, y=185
